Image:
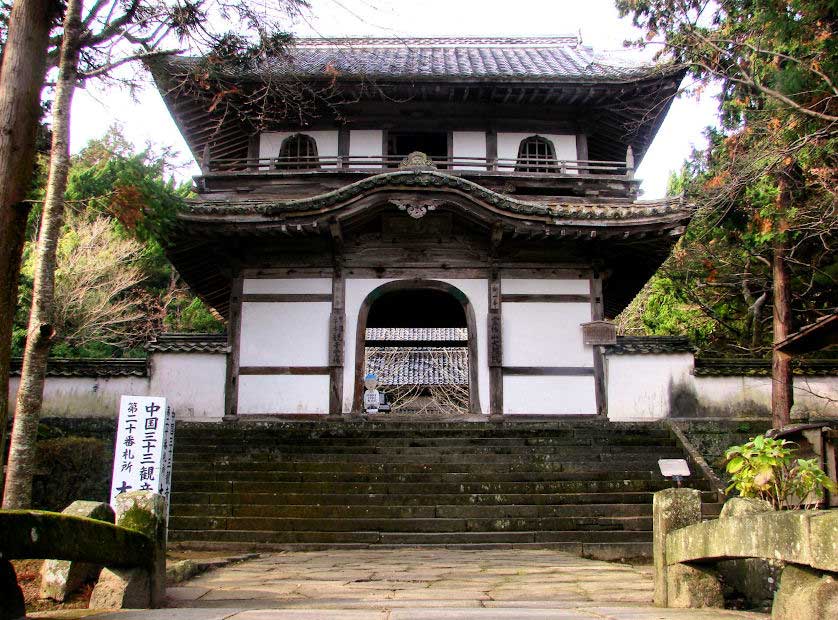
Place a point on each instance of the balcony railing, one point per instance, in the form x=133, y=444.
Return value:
x=370, y=164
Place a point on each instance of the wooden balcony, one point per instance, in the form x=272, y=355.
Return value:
x=306, y=176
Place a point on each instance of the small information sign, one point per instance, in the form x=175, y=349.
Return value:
x=599, y=333
x=144, y=441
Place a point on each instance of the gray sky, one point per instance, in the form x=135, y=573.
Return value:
x=596, y=20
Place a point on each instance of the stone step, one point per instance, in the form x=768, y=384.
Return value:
x=434, y=524
x=490, y=499
x=335, y=466
x=334, y=511
x=409, y=538
x=451, y=477
x=414, y=488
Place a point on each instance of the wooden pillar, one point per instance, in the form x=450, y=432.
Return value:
x=495, y=344
x=337, y=329
x=231, y=391
x=492, y=149
x=343, y=146
x=597, y=314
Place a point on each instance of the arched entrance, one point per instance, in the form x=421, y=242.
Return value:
x=427, y=317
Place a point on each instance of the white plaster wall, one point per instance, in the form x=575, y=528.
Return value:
x=327, y=143
x=477, y=292
x=543, y=286
x=283, y=394
x=192, y=383
x=287, y=285
x=545, y=334
x=638, y=386
x=539, y=395
x=366, y=143
x=469, y=144
x=284, y=334
x=85, y=397
x=565, y=146
x=817, y=396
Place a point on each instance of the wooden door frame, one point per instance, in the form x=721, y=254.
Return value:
x=416, y=284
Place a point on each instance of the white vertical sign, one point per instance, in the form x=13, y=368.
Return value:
x=138, y=463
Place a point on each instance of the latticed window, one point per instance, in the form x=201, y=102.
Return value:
x=298, y=152
x=536, y=154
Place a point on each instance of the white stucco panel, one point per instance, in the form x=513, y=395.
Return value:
x=84, y=397
x=293, y=394
x=284, y=333
x=327, y=142
x=469, y=144
x=541, y=395
x=545, y=286
x=287, y=285
x=545, y=334
x=366, y=143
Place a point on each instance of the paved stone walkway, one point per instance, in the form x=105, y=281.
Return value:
x=420, y=584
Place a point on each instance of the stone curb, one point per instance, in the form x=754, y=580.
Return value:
x=183, y=570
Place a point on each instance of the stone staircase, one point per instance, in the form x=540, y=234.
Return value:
x=581, y=485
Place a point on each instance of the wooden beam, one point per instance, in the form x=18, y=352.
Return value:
x=285, y=297
x=283, y=370
x=231, y=386
x=548, y=371
x=545, y=298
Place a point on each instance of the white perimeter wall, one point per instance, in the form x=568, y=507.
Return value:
x=477, y=292
x=284, y=334
x=547, y=334
x=193, y=383
x=271, y=141
x=565, y=146
x=639, y=386
x=85, y=397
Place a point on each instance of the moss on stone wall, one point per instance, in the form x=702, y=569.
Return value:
x=713, y=437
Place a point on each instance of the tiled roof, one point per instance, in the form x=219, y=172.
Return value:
x=419, y=365
x=102, y=367
x=417, y=333
x=724, y=367
x=633, y=345
x=462, y=58
x=188, y=343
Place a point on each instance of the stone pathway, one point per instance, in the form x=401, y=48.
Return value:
x=420, y=584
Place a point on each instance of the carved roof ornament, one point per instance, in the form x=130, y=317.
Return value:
x=417, y=208
x=417, y=160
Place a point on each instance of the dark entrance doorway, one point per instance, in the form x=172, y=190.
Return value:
x=434, y=144
x=418, y=338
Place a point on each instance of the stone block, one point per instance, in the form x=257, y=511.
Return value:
x=122, y=588
x=693, y=586
x=672, y=509
x=806, y=593
x=59, y=578
x=145, y=586
x=743, y=506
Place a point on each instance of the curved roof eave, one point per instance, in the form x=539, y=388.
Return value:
x=337, y=202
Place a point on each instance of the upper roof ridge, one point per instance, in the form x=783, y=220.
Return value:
x=441, y=42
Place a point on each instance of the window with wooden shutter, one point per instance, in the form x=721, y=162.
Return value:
x=298, y=152
x=536, y=154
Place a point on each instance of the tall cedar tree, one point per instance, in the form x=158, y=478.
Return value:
x=23, y=66
x=111, y=34
x=775, y=61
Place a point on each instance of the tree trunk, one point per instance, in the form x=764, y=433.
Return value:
x=41, y=332
x=781, y=377
x=22, y=72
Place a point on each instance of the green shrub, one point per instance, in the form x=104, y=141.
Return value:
x=71, y=468
x=765, y=468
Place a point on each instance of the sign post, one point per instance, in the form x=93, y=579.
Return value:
x=144, y=441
